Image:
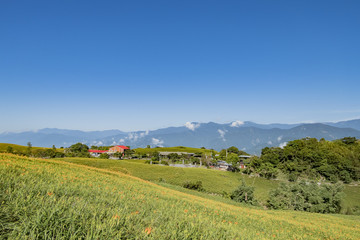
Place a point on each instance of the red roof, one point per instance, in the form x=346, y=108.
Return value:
x=122, y=146
x=97, y=151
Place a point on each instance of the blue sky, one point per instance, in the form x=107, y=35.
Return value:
x=138, y=65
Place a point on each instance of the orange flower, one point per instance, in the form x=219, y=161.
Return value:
x=116, y=217
x=148, y=230
x=185, y=210
x=50, y=193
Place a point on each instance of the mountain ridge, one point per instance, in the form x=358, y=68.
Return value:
x=248, y=136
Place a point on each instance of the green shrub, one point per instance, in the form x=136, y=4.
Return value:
x=104, y=156
x=292, y=177
x=243, y=193
x=308, y=197
x=193, y=185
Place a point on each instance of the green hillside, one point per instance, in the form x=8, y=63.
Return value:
x=213, y=180
x=20, y=148
x=173, y=149
x=47, y=199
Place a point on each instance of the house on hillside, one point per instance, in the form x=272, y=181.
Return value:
x=224, y=166
x=112, y=150
x=118, y=148
x=243, y=159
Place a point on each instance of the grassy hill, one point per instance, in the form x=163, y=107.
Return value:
x=20, y=148
x=47, y=199
x=172, y=149
x=213, y=180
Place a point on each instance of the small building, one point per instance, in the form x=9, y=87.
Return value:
x=96, y=153
x=224, y=166
x=118, y=148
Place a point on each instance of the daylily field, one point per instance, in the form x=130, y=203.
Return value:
x=50, y=199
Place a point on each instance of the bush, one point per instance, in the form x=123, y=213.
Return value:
x=243, y=193
x=193, y=185
x=292, y=177
x=104, y=156
x=308, y=197
x=345, y=176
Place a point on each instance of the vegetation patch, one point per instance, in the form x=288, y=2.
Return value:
x=46, y=199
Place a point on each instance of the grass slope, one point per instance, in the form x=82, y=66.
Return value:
x=213, y=180
x=173, y=149
x=20, y=148
x=46, y=199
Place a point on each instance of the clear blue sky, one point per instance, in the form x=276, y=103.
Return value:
x=138, y=65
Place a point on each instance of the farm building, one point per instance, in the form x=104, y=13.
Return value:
x=96, y=153
x=115, y=149
x=118, y=148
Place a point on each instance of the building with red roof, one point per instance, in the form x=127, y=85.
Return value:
x=118, y=148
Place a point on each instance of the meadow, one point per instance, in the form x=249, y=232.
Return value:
x=214, y=181
x=47, y=199
x=20, y=148
x=174, y=149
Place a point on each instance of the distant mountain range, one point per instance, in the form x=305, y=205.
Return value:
x=248, y=136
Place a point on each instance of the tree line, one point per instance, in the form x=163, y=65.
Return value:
x=310, y=158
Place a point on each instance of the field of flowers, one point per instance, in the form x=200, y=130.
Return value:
x=214, y=181
x=47, y=199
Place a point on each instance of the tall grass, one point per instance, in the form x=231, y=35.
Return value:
x=213, y=180
x=46, y=199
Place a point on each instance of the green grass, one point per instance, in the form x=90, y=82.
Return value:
x=213, y=180
x=46, y=199
x=20, y=148
x=173, y=149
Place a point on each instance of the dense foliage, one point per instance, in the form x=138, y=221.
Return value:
x=309, y=197
x=193, y=185
x=308, y=157
x=78, y=150
x=244, y=193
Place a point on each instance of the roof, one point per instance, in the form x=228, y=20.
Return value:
x=97, y=151
x=122, y=146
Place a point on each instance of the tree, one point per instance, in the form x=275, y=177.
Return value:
x=233, y=150
x=28, y=150
x=148, y=146
x=233, y=158
x=78, y=148
x=118, y=155
x=308, y=197
x=155, y=156
x=243, y=193
x=348, y=140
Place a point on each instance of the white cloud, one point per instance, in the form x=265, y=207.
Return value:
x=222, y=134
x=236, y=123
x=192, y=126
x=279, y=138
x=157, y=142
x=269, y=142
x=282, y=145
x=143, y=134
x=133, y=136
x=121, y=140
